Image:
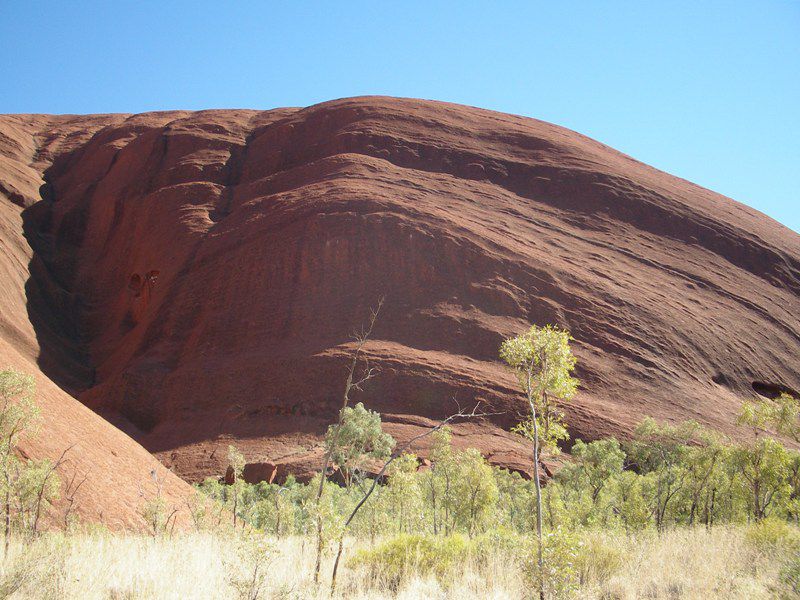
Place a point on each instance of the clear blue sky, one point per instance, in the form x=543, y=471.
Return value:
x=709, y=91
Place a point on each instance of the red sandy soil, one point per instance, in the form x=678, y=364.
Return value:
x=195, y=278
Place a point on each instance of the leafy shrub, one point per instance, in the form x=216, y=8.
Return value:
x=248, y=573
x=570, y=558
x=676, y=483
x=405, y=555
x=503, y=542
x=773, y=535
x=560, y=555
x=598, y=558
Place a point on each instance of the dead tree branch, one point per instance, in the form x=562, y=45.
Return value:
x=351, y=383
x=43, y=488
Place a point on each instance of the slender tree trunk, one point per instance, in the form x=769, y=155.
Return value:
x=7, y=499
x=538, y=509
x=350, y=384
x=538, y=483
x=757, y=500
x=711, y=512
x=447, y=504
x=433, y=504
x=318, y=561
x=235, y=506
x=7, y=531
x=368, y=493
x=336, y=565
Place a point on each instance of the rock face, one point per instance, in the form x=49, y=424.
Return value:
x=196, y=276
x=106, y=476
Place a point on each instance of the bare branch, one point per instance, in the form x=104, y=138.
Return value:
x=171, y=517
x=361, y=339
x=43, y=487
x=71, y=493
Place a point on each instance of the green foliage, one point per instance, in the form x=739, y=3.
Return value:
x=18, y=412
x=357, y=438
x=632, y=497
x=598, y=558
x=391, y=561
x=572, y=558
x=154, y=512
x=786, y=416
x=236, y=462
x=403, y=497
x=543, y=363
x=154, y=509
x=560, y=566
x=767, y=472
x=584, y=485
x=438, y=482
x=248, y=572
x=514, y=501
x=475, y=491
x=27, y=487
x=460, y=488
x=235, y=469
x=542, y=360
x=772, y=535
x=782, y=413
x=663, y=451
x=685, y=475
x=597, y=463
x=762, y=468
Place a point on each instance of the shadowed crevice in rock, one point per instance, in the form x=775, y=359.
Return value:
x=38, y=333
x=772, y=390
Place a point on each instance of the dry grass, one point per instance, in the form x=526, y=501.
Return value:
x=691, y=563
x=679, y=564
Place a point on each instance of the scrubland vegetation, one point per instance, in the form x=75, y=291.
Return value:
x=697, y=516
x=677, y=511
x=726, y=562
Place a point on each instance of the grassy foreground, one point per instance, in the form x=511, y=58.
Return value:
x=727, y=562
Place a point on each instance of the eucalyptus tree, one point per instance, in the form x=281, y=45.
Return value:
x=355, y=440
x=359, y=372
x=543, y=362
x=27, y=486
x=781, y=413
x=765, y=465
x=235, y=475
x=660, y=450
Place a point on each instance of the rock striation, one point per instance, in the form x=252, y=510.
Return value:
x=195, y=277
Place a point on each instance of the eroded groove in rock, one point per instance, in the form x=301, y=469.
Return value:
x=38, y=334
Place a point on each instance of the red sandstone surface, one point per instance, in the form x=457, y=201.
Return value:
x=195, y=277
x=113, y=474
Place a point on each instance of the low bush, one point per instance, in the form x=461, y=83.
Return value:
x=560, y=554
x=504, y=542
x=598, y=558
x=248, y=568
x=407, y=556
x=774, y=536
x=790, y=578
